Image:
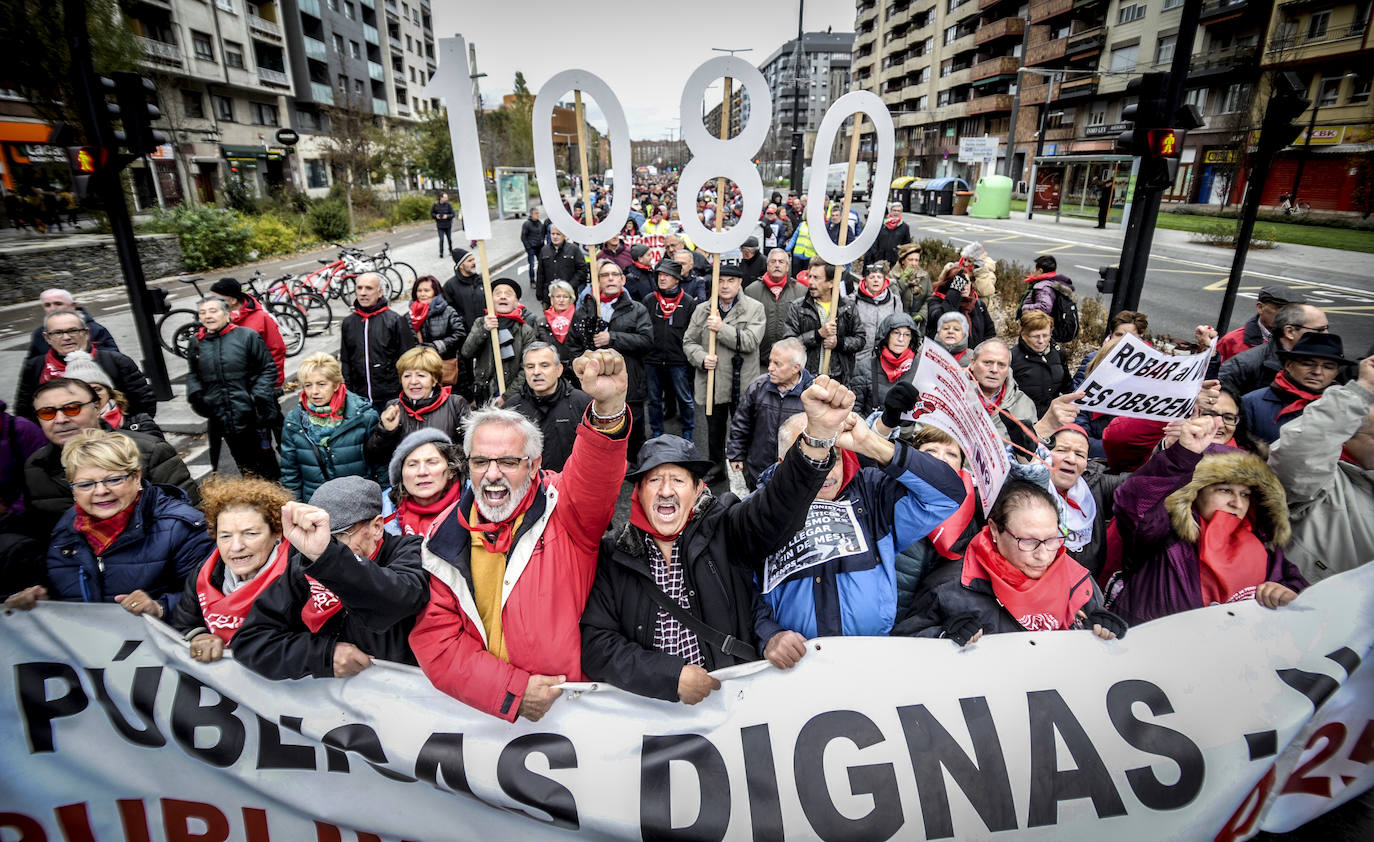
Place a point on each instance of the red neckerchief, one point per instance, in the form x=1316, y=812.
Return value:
x=641, y=521
x=1048, y=603
x=415, y=519
x=114, y=416
x=1234, y=560
x=498, y=537
x=947, y=534
x=863, y=289
x=642, y=266
x=419, y=311
x=1043, y=276
x=668, y=306
x=513, y=315
x=54, y=366
x=605, y=299
x=224, y=615
x=367, y=314
x=1070, y=502
x=996, y=404
x=895, y=366
x=419, y=412
x=202, y=332
x=322, y=605
x=775, y=287
x=560, y=323
x=892, y=221
x=100, y=534
x=850, y=462
x=1285, y=388
x=333, y=411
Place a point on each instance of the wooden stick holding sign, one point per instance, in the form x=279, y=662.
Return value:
x=844, y=238
x=497, y=362
x=715, y=264
x=587, y=214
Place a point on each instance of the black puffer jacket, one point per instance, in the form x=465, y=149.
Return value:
x=557, y=415
x=718, y=549
x=443, y=329
x=1042, y=377
x=560, y=263
x=887, y=242
x=447, y=418
x=870, y=380
x=464, y=294
x=804, y=319
x=380, y=601
x=631, y=334
x=232, y=380
x=668, y=332
x=369, y=349
x=124, y=375
x=754, y=426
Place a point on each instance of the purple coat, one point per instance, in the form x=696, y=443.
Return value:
x=1041, y=296
x=1166, y=571
x=19, y=438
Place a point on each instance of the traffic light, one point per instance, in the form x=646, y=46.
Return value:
x=1147, y=112
x=108, y=116
x=1159, y=164
x=137, y=113
x=88, y=164
x=1287, y=104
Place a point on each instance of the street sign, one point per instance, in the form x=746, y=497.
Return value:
x=977, y=150
x=287, y=137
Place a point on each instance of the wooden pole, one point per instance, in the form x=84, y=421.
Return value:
x=844, y=235
x=715, y=265
x=499, y=364
x=586, y=199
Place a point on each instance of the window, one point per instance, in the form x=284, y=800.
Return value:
x=342, y=82
x=1131, y=13
x=264, y=115
x=350, y=11
x=226, y=6
x=224, y=108
x=203, y=46
x=1237, y=98
x=1097, y=118
x=1329, y=91
x=1164, y=49
x=1359, y=92
x=409, y=45
x=334, y=4
x=1198, y=97
x=354, y=49
x=1124, y=58
x=1316, y=27
x=1172, y=4
x=358, y=87
x=316, y=174
x=233, y=54
x=338, y=43
x=193, y=104
x=308, y=120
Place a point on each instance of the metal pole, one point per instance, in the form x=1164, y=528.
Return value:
x=795, y=177
x=1254, y=189
x=1039, y=142
x=1306, y=150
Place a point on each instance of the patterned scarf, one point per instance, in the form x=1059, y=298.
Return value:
x=54, y=366
x=328, y=415
x=892, y=221
x=775, y=287
x=668, y=306
x=1048, y=603
x=414, y=410
x=102, y=533
x=224, y=614
x=113, y=415
x=894, y=365
x=560, y=323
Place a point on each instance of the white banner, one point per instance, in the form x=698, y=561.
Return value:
x=111, y=732
x=948, y=401
x=657, y=243
x=1138, y=381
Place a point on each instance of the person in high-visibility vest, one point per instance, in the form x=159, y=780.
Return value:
x=801, y=248
x=657, y=225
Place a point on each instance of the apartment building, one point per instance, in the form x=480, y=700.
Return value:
x=803, y=77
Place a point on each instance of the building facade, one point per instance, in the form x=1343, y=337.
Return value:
x=803, y=77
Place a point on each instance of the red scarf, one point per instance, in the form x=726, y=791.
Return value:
x=850, y=462
x=1301, y=397
x=334, y=411
x=224, y=615
x=513, y=315
x=202, y=332
x=895, y=366
x=323, y=602
x=1045, y=604
x=668, y=305
x=415, y=519
x=863, y=289
x=1233, y=560
x=560, y=323
x=101, y=534
x=367, y=314
x=498, y=537
x=1043, y=276
x=947, y=534
x=114, y=416
x=605, y=299
x=892, y=221
x=419, y=412
x=640, y=520
x=54, y=366
x=996, y=404
x=775, y=287
x=419, y=311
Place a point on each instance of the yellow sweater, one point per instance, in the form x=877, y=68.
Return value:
x=488, y=580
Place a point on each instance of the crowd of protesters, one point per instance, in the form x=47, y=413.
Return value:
x=441, y=492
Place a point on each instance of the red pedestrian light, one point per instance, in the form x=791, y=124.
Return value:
x=1166, y=143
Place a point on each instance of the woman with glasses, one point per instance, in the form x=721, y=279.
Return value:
x=892, y=361
x=125, y=540
x=560, y=315
x=1015, y=576
x=426, y=474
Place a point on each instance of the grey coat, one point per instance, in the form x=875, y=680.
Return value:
x=737, y=345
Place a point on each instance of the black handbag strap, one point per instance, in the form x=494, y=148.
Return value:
x=729, y=644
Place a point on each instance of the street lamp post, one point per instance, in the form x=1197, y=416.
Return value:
x=1039, y=136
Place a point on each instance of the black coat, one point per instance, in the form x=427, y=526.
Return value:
x=557, y=415
x=755, y=422
x=380, y=602
x=442, y=213
x=562, y=263
x=631, y=335
x=887, y=242
x=369, y=349
x=1251, y=369
x=100, y=337
x=980, y=323
x=640, y=281
x=1043, y=377
x=124, y=374
x=232, y=380
x=532, y=235
x=718, y=550
x=443, y=328
x=804, y=319
x=447, y=419
x=668, y=333
x=465, y=295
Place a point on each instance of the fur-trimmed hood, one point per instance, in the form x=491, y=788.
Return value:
x=630, y=540
x=1268, y=503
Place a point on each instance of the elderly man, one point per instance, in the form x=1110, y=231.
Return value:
x=769, y=399
x=350, y=593
x=665, y=365
x=516, y=327
x=777, y=292
x=60, y=299
x=1325, y=460
x=891, y=237
x=371, y=339
x=246, y=311
x=1257, y=367
x=66, y=331
x=231, y=381
x=810, y=320
x=752, y=264
x=550, y=402
x=512, y=563
x=991, y=373
x=64, y=408
x=660, y=617
x=1259, y=328
x=1309, y=367
x=559, y=260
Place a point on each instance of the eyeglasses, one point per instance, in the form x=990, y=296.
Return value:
x=71, y=410
x=1230, y=419
x=110, y=483
x=507, y=464
x=62, y=334
x=1030, y=545
x=609, y=274
x=1318, y=329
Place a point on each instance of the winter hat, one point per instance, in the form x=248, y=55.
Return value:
x=348, y=500
x=510, y=282
x=668, y=450
x=80, y=366
x=228, y=287
x=637, y=251
x=408, y=445
x=973, y=251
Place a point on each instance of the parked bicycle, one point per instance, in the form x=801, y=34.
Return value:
x=178, y=326
x=289, y=294
x=1291, y=207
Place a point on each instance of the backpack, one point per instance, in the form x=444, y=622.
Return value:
x=1064, y=312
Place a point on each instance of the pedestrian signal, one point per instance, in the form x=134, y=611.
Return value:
x=1166, y=143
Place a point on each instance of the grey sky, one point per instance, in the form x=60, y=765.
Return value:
x=644, y=50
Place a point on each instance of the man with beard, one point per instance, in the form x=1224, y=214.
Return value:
x=371, y=339
x=551, y=402
x=673, y=598
x=512, y=563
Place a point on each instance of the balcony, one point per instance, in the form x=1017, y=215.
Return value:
x=1080, y=86
x=321, y=93
x=315, y=48
x=1087, y=41
x=1216, y=11
x=954, y=79
x=1328, y=43
x=1215, y=63
x=262, y=26
x=1034, y=94
x=376, y=71
x=379, y=106
x=1003, y=28
x=395, y=42
x=370, y=35
x=403, y=109
x=993, y=104
x=993, y=67
x=959, y=45
x=274, y=77
x=1043, y=10
x=160, y=52
x=984, y=5
x=309, y=7
x=1046, y=51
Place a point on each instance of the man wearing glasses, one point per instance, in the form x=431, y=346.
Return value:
x=66, y=331
x=64, y=407
x=1257, y=367
x=60, y=299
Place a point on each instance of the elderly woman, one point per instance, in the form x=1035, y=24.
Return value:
x=232, y=381
x=125, y=540
x=913, y=281
x=436, y=324
x=1015, y=576
x=112, y=405
x=1203, y=524
x=560, y=319
x=423, y=404
x=244, y=516
x=324, y=437
x=1038, y=364
x=954, y=293
x=426, y=476
x=893, y=361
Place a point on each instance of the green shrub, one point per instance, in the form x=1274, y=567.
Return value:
x=210, y=237
x=238, y=196
x=272, y=236
x=329, y=220
x=412, y=209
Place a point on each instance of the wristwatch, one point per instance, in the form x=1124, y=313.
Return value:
x=820, y=444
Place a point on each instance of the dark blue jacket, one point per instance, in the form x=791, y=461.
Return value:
x=1261, y=410
x=306, y=465
x=164, y=544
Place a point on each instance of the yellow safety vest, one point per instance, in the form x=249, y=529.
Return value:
x=661, y=229
x=803, y=247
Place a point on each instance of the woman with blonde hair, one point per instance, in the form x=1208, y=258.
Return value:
x=125, y=540
x=423, y=404
x=324, y=437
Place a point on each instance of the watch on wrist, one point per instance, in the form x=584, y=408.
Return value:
x=820, y=444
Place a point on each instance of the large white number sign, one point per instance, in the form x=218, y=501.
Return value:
x=454, y=84
x=547, y=173
x=853, y=102
x=713, y=157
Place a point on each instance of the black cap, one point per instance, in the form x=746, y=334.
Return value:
x=510, y=282
x=669, y=450
x=668, y=266
x=750, y=243
x=731, y=269
x=229, y=287
x=1278, y=294
x=1322, y=346
x=638, y=250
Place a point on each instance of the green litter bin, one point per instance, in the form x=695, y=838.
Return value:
x=991, y=198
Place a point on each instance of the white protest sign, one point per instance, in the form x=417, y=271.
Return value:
x=657, y=244
x=453, y=83
x=109, y=725
x=832, y=531
x=1138, y=381
x=948, y=401
x=875, y=109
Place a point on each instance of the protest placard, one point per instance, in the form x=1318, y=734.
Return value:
x=1138, y=381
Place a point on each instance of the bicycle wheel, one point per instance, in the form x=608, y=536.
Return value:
x=291, y=324
x=1302, y=209
x=407, y=272
x=319, y=317
x=392, y=282
x=176, y=328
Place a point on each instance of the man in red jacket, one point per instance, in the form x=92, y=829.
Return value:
x=511, y=564
x=245, y=311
